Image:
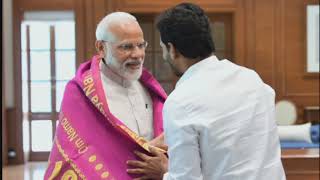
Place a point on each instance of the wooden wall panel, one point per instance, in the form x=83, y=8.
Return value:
x=264, y=40
x=295, y=84
x=89, y=15
x=3, y=119
x=100, y=10
x=276, y=49
x=249, y=28
x=147, y=6
x=14, y=135
x=79, y=9
x=89, y=28
x=301, y=164
x=295, y=52
x=279, y=47
x=239, y=36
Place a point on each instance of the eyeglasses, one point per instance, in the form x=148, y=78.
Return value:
x=129, y=47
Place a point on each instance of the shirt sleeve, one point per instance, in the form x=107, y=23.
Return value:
x=183, y=142
x=165, y=176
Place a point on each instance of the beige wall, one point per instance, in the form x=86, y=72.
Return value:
x=7, y=55
x=7, y=74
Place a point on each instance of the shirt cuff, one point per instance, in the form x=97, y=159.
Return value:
x=165, y=176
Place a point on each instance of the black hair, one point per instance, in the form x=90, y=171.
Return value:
x=188, y=28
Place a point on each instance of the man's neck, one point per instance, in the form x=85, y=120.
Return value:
x=188, y=62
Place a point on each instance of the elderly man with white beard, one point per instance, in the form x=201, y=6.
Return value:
x=111, y=108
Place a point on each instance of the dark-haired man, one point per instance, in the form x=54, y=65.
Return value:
x=219, y=121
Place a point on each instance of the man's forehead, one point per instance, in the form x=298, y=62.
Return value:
x=126, y=30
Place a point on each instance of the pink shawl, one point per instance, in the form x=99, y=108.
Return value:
x=90, y=143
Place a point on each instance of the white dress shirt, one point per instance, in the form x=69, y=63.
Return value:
x=128, y=101
x=219, y=125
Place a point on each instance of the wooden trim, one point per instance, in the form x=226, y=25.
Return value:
x=52, y=69
x=40, y=116
x=4, y=129
x=14, y=136
x=249, y=9
x=302, y=94
x=283, y=87
x=300, y=162
x=90, y=29
x=33, y=5
x=283, y=34
x=109, y=6
x=54, y=127
x=312, y=75
x=80, y=32
x=308, y=74
x=145, y=6
x=39, y=156
x=273, y=55
x=227, y=20
x=28, y=67
x=18, y=141
x=239, y=40
x=279, y=48
x=53, y=80
x=29, y=85
x=19, y=7
x=312, y=114
x=4, y=117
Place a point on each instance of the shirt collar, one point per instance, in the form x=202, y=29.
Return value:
x=113, y=76
x=197, y=67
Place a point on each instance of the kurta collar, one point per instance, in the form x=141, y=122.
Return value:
x=197, y=67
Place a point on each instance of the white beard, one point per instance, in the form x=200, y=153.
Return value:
x=121, y=69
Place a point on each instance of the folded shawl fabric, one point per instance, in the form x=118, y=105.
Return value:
x=91, y=143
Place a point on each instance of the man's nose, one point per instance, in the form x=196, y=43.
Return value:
x=138, y=53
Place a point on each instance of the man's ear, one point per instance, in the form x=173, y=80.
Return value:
x=100, y=48
x=173, y=51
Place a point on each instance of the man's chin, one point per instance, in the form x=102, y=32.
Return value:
x=133, y=75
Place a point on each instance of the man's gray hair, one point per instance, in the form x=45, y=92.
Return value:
x=103, y=31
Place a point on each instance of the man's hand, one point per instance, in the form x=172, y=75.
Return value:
x=159, y=142
x=151, y=167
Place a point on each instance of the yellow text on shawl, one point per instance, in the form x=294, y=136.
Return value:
x=73, y=136
x=89, y=91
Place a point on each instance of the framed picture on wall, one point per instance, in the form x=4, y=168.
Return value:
x=313, y=39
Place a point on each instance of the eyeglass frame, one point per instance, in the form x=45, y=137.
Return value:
x=130, y=47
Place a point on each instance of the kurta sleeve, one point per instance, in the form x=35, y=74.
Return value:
x=183, y=142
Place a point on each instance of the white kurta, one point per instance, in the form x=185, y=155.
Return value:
x=219, y=125
x=128, y=101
